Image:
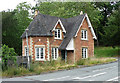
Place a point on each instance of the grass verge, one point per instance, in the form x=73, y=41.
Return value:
x=38, y=67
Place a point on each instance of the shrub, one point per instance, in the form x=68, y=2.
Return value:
x=81, y=62
x=7, y=54
x=12, y=71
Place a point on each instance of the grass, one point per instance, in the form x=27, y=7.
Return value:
x=37, y=68
x=102, y=55
x=94, y=61
x=106, y=52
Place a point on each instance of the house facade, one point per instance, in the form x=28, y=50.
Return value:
x=50, y=37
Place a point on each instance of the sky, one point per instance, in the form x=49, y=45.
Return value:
x=11, y=4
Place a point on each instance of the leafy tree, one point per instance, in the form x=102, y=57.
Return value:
x=7, y=54
x=9, y=29
x=70, y=9
x=14, y=24
x=111, y=35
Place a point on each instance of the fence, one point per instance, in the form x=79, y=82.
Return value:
x=20, y=60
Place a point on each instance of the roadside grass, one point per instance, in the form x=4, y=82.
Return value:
x=102, y=55
x=38, y=68
x=94, y=61
x=106, y=52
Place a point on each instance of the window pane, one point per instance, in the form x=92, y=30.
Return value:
x=55, y=33
x=37, y=53
x=82, y=33
x=52, y=53
x=55, y=53
x=85, y=34
x=25, y=51
x=58, y=33
x=85, y=53
x=82, y=52
x=41, y=53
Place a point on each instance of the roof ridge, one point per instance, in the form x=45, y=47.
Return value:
x=60, y=17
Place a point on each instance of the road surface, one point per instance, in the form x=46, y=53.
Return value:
x=105, y=72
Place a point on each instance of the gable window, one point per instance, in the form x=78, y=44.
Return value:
x=54, y=53
x=57, y=34
x=84, y=34
x=84, y=53
x=40, y=53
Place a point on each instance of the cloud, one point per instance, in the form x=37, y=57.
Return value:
x=11, y=4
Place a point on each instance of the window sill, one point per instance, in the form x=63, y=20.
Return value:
x=84, y=39
x=58, y=38
x=40, y=60
x=55, y=59
x=85, y=58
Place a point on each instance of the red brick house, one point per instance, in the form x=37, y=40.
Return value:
x=50, y=37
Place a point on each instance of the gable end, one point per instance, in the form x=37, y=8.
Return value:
x=59, y=21
x=89, y=25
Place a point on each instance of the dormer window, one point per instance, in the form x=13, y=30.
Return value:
x=57, y=34
x=84, y=34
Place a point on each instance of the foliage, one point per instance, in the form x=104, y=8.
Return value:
x=106, y=52
x=12, y=71
x=111, y=30
x=14, y=24
x=108, y=29
x=7, y=54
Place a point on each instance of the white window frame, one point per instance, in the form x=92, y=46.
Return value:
x=40, y=59
x=84, y=52
x=83, y=33
x=25, y=51
x=53, y=53
x=57, y=37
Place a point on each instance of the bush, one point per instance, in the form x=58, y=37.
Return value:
x=7, y=54
x=12, y=71
x=81, y=62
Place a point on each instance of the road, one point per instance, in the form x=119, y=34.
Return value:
x=105, y=72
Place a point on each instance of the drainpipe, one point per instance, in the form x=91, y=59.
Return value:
x=27, y=48
x=65, y=56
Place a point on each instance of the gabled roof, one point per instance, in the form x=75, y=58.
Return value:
x=42, y=25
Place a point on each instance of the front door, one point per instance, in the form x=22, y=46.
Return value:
x=63, y=54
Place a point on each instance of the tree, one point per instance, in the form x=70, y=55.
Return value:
x=70, y=9
x=14, y=24
x=111, y=35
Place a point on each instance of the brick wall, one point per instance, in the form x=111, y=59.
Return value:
x=33, y=41
x=84, y=43
x=78, y=44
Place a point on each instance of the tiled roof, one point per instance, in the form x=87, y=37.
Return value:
x=42, y=25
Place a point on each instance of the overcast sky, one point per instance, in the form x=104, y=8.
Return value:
x=11, y=4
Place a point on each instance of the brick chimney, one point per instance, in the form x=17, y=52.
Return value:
x=36, y=13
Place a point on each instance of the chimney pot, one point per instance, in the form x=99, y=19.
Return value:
x=36, y=13
x=81, y=13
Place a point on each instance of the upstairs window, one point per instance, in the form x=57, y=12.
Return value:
x=54, y=53
x=84, y=53
x=57, y=34
x=84, y=34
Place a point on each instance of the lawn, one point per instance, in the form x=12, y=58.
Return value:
x=106, y=52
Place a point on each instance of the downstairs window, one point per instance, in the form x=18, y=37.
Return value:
x=84, y=53
x=54, y=53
